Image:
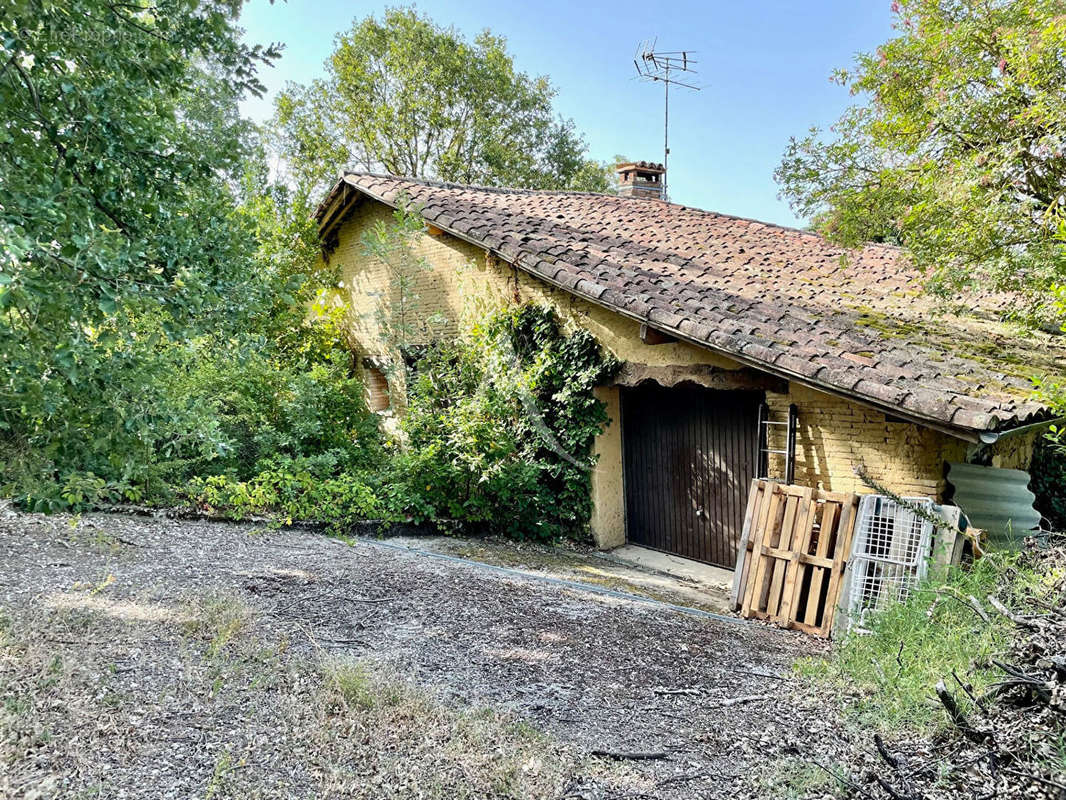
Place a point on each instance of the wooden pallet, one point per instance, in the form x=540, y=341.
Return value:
x=792, y=553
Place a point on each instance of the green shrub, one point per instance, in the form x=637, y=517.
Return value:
x=886, y=677
x=154, y=413
x=500, y=427
x=288, y=494
x=129, y=420
x=269, y=410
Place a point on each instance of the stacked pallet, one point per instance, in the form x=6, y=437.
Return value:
x=793, y=550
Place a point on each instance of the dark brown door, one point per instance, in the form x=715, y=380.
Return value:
x=690, y=455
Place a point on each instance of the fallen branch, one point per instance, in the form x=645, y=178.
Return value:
x=1037, y=778
x=735, y=701
x=980, y=609
x=1017, y=619
x=889, y=759
x=977, y=701
x=956, y=715
x=622, y=755
x=969, y=601
x=889, y=790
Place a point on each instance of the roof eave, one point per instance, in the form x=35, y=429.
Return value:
x=331, y=208
x=991, y=437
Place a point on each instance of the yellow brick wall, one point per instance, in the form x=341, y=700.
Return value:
x=1013, y=452
x=835, y=435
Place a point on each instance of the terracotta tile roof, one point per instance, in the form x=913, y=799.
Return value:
x=783, y=300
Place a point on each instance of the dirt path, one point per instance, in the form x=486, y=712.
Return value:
x=186, y=660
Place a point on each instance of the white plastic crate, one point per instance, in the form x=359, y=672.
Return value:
x=890, y=554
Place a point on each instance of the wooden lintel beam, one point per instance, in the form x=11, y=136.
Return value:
x=652, y=336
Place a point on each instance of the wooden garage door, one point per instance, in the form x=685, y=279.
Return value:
x=690, y=455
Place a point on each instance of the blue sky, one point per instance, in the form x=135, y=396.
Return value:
x=764, y=66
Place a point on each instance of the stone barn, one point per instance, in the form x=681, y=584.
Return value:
x=748, y=349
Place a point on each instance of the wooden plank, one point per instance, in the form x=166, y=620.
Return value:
x=755, y=589
x=744, y=546
x=829, y=532
x=845, y=532
x=801, y=538
x=801, y=558
x=782, y=565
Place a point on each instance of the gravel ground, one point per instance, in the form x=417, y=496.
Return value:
x=146, y=657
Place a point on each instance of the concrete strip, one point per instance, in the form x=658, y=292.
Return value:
x=577, y=585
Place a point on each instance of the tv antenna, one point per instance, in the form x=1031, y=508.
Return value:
x=657, y=65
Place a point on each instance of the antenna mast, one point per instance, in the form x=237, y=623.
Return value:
x=656, y=65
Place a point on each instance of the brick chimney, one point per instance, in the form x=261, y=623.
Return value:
x=641, y=179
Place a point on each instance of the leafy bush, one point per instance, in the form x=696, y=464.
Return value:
x=500, y=429
x=289, y=492
x=152, y=413
x=124, y=415
x=268, y=410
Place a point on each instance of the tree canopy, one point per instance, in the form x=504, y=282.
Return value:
x=406, y=96
x=122, y=232
x=957, y=149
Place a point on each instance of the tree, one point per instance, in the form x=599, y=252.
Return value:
x=958, y=150
x=406, y=96
x=122, y=235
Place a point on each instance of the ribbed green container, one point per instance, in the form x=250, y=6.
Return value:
x=997, y=501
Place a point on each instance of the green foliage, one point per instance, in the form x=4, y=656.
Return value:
x=406, y=96
x=497, y=436
x=126, y=255
x=127, y=419
x=398, y=316
x=1048, y=471
x=294, y=489
x=269, y=410
x=956, y=150
x=500, y=429
x=886, y=677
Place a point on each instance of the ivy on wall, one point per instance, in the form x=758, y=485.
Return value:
x=500, y=428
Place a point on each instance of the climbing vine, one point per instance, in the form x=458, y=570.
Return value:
x=497, y=437
x=500, y=428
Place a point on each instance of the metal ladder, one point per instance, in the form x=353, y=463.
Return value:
x=790, y=442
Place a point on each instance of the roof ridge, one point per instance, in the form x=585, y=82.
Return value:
x=570, y=192
x=476, y=187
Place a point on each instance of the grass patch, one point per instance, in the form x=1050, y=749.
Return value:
x=794, y=778
x=886, y=678
x=219, y=619
x=351, y=685
x=374, y=726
